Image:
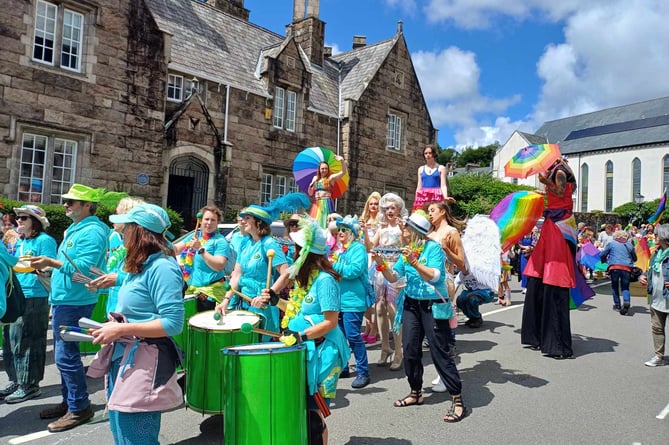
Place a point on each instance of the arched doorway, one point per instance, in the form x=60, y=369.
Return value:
x=187, y=188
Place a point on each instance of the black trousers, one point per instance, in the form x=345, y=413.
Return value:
x=418, y=323
x=546, y=321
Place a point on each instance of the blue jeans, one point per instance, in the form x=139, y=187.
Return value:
x=620, y=279
x=469, y=301
x=68, y=358
x=350, y=324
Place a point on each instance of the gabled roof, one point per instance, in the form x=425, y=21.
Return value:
x=359, y=66
x=625, y=126
x=213, y=45
x=532, y=139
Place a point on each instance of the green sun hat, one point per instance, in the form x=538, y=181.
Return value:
x=80, y=192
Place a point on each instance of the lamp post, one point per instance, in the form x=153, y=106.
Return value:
x=638, y=199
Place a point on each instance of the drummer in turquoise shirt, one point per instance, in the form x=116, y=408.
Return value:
x=350, y=261
x=250, y=273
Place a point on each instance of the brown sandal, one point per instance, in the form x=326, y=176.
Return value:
x=414, y=398
x=451, y=416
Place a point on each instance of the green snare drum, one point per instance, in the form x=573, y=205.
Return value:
x=190, y=309
x=99, y=314
x=205, y=380
x=266, y=395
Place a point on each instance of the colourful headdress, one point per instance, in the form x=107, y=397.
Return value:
x=311, y=238
x=286, y=203
x=351, y=223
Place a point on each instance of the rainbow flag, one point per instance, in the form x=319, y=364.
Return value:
x=642, y=251
x=515, y=215
x=657, y=216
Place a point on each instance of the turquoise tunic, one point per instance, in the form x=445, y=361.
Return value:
x=42, y=244
x=324, y=361
x=202, y=274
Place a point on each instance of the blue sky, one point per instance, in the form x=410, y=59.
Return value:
x=489, y=67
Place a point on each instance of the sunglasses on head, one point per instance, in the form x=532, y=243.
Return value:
x=22, y=217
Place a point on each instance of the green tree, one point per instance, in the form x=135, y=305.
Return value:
x=478, y=193
x=481, y=156
x=447, y=155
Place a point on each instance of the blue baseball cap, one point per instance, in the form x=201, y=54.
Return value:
x=149, y=216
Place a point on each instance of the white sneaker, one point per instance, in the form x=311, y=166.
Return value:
x=655, y=361
x=438, y=386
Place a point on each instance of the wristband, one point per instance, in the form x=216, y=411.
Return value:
x=201, y=250
x=382, y=267
x=273, y=297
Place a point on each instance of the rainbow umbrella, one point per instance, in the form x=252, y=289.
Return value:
x=305, y=167
x=515, y=215
x=531, y=160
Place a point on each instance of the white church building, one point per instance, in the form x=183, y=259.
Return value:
x=618, y=155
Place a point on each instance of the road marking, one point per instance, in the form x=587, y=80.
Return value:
x=663, y=413
x=29, y=437
x=503, y=309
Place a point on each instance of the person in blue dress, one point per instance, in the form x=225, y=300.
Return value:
x=423, y=265
x=24, y=349
x=311, y=317
x=350, y=261
x=249, y=275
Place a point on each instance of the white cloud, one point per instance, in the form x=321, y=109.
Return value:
x=450, y=82
x=613, y=53
x=611, y=56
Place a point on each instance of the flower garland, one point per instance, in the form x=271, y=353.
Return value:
x=297, y=295
x=416, y=249
x=187, y=255
x=336, y=254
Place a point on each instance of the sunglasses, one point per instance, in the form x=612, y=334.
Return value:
x=23, y=217
x=70, y=202
x=344, y=229
x=292, y=224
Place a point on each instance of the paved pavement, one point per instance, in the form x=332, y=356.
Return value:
x=603, y=396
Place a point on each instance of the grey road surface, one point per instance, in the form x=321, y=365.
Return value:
x=605, y=395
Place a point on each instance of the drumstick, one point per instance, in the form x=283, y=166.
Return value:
x=197, y=224
x=270, y=257
x=247, y=328
x=227, y=287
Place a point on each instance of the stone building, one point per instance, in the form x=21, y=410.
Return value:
x=187, y=102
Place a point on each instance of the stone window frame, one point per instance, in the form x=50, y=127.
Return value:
x=284, y=115
x=276, y=183
x=395, y=133
x=584, y=185
x=171, y=85
x=89, y=17
x=58, y=152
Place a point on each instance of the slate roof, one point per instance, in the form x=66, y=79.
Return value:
x=213, y=45
x=631, y=125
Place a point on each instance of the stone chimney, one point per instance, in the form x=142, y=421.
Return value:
x=308, y=29
x=359, y=41
x=327, y=51
x=232, y=7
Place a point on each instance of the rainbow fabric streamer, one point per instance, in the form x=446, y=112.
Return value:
x=516, y=215
x=657, y=216
x=642, y=250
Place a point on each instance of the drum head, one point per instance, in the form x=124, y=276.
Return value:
x=261, y=348
x=190, y=297
x=23, y=266
x=232, y=321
